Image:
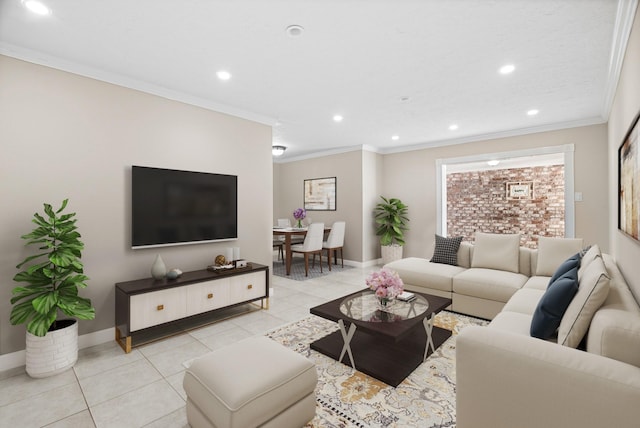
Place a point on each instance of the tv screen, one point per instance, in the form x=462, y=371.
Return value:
x=171, y=207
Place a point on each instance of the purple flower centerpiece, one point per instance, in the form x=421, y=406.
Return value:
x=386, y=284
x=299, y=214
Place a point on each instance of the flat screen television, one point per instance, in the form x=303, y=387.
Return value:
x=171, y=207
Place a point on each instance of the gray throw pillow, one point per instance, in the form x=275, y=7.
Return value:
x=446, y=251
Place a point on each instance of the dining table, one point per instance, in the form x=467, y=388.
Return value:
x=288, y=232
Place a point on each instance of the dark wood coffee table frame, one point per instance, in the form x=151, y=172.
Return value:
x=386, y=351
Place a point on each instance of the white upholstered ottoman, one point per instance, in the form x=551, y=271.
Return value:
x=253, y=383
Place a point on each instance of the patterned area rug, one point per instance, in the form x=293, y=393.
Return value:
x=348, y=398
x=297, y=269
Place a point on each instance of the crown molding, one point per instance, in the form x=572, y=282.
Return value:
x=47, y=60
x=622, y=30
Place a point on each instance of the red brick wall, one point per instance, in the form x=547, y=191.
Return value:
x=477, y=202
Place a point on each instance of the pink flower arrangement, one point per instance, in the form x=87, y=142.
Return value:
x=386, y=283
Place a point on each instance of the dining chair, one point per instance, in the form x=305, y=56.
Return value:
x=312, y=245
x=284, y=223
x=334, y=242
x=279, y=244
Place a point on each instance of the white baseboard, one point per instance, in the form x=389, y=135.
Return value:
x=18, y=358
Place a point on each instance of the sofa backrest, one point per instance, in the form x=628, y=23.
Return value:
x=527, y=258
x=614, y=331
x=464, y=254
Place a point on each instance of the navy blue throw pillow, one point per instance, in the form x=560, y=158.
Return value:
x=553, y=304
x=566, y=266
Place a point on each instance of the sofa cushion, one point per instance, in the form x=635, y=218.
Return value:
x=446, y=251
x=590, y=255
x=512, y=322
x=491, y=284
x=593, y=288
x=537, y=283
x=421, y=272
x=553, y=251
x=614, y=331
x=496, y=251
x=553, y=304
x=524, y=301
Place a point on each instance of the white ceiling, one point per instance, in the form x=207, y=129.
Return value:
x=356, y=58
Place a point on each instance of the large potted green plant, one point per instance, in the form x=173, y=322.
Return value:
x=51, y=280
x=391, y=220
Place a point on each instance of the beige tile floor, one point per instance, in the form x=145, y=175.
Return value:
x=108, y=388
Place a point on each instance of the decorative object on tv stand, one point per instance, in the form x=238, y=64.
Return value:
x=386, y=285
x=220, y=260
x=51, y=285
x=158, y=269
x=299, y=214
x=391, y=218
x=174, y=273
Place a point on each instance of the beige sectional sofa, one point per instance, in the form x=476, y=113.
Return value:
x=505, y=377
x=488, y=272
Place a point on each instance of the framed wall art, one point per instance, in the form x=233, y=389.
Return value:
x=629, y=182
x=320, y=194
x=520, y=190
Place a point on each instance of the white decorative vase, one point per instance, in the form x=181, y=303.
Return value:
x=158, y=269
x=391, y=253
x=53, y=353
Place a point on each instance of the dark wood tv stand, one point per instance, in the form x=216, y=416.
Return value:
x=149, y=309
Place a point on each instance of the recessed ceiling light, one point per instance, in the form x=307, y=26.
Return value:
x=337, y=118
x=493, y=162
x=223, y=75
x=36, y=7
x=395, y=137
x=532, y=112
x=506, y=69
x=294, y=30
x=453, y=127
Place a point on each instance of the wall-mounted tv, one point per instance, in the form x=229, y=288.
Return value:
x=171, y=207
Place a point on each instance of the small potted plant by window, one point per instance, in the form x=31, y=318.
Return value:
x=391, y=219
x=51, y=280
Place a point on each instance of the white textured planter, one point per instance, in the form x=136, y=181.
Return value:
x=391, y=253
x=53, y=353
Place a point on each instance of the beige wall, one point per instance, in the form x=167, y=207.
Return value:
x=411, y=176
x=66, y=136
x=626, y=105
x=347, y=168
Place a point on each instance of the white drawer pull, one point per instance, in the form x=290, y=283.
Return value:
x=249, y=287
x=210, y=296
x=160, y=307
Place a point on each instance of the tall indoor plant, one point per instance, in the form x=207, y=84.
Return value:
x=391, y=219
x=52, y=278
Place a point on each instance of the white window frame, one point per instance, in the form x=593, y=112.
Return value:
x=569, y=204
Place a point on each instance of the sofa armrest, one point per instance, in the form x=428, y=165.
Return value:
x=510, y=380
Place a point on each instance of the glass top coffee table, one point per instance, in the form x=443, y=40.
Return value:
x=386, y=344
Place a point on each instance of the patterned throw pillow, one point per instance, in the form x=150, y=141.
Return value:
x=446, y=251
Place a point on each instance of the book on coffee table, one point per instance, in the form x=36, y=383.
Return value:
x=406, y=296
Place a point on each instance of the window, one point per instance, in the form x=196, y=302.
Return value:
x=528, y=192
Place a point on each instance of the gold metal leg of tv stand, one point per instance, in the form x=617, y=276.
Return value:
x=124, y=342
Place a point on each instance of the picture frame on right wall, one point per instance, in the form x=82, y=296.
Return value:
x=629, y=182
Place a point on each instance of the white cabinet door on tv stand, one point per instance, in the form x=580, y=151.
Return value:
x=148, y=309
